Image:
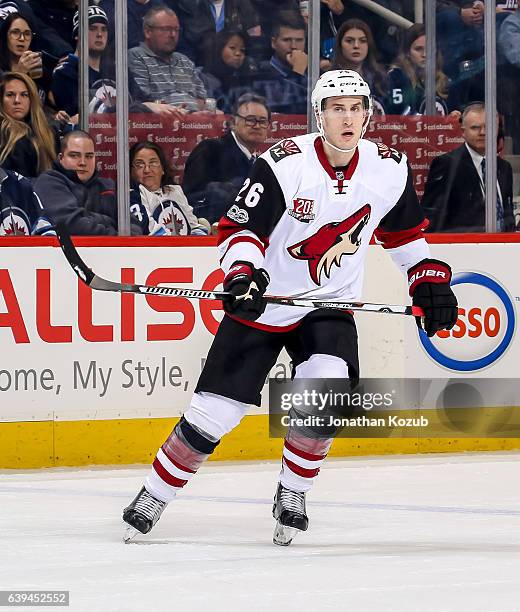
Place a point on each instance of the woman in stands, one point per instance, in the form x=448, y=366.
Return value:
x=228, y=71
x=355, y=49
x=17, y=55
x=406, y=92
x=27, y=143
x=163, y=198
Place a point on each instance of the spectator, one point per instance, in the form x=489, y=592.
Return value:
x=386, y=33
x=217, y=167
x=228, y=72
x=57, y=15
x=169, y=208
x=27, y=143
x=283, y=80
x=21, y=212
x=331, y=14
x=73, y=193
x=136, y=10
x=355, y=49
x=102, y=86
x=454, y=192
x=46, y=38
x=406, y=78
x=508, y=81
x=17, y=55
x=460, y=39
x=269, y=11
x=65, y=83
x=161, y=74
x=202, y=19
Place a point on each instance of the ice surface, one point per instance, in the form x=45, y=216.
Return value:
x=428, y=533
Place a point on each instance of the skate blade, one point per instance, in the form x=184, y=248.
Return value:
x=130, y=533
x=284, y=535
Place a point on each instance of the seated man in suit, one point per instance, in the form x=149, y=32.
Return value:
x=454, y=199
x=217, y=167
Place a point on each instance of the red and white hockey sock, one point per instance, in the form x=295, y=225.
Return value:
x=302, y=459
x=176, y=462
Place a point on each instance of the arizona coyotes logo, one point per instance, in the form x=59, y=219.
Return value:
x=328, y=245
x=388, y=153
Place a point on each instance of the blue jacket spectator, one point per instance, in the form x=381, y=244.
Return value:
x=74, y=193
x=57, y=15
x=201, y=19
x=135, y=14
x=21, y=212
x=509, y=39
x=65, y=83
x=283, y=80
x=508, y=72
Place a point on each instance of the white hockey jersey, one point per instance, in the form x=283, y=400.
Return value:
x=309, y=224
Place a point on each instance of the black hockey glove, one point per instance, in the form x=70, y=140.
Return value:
x=429, y=283
x=247, y=286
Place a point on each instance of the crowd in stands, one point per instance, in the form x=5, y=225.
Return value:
x=245, y=58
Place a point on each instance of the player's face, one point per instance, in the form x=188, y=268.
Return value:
x=80, y=157
x=251, y=124
x=354, y=46
x=418, y=52
x=474, y=130
x=147, y=169
x=343, y=119
x=16, y=102
x=97, y=37
x=287, y=41
x=234, y=52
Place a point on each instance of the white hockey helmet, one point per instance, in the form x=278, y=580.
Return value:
x=340, y=83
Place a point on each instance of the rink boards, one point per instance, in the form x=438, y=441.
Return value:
x=100, y=378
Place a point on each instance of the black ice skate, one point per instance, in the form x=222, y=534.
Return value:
x=142, y=514
x=289, y=512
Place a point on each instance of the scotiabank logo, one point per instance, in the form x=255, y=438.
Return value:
x=484, y=329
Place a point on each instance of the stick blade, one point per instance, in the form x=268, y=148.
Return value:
x=72, y=256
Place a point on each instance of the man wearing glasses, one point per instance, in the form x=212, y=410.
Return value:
x=217, y=167
x=160, y=74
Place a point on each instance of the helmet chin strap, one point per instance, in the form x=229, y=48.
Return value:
x=322, y=134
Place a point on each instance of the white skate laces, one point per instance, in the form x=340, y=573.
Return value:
x=289, y=512
x=142, y=514
x=148, y=506
x=292, y=500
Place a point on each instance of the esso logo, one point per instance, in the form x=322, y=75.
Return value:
x=484, y=329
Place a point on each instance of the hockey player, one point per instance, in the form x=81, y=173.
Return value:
x=300, y=225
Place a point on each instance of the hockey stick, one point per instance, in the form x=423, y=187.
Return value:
x=96, y=282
